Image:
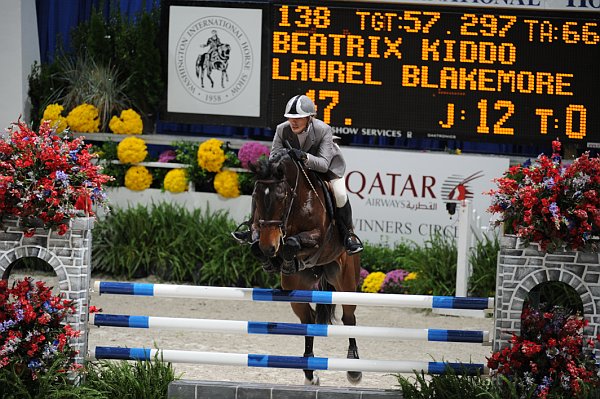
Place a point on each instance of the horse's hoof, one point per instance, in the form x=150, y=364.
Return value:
x=354, y=377
x=314, y=381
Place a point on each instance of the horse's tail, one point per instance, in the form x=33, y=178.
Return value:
x=325, y=313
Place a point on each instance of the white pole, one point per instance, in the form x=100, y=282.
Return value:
x=462, y=260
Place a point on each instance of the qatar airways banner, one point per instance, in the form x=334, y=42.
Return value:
x=402, y=196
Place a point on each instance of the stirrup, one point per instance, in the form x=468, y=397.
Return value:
x=353, y=247
x=244, y=236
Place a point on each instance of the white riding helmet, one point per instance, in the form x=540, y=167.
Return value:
x=299, y=106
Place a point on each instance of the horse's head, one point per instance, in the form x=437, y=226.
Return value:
x=276, y=180
x=224, y=50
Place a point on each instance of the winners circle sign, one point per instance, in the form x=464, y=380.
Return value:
x=215, y=60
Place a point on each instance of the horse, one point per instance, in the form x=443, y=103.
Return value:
x=297, y=237
x=217, y=59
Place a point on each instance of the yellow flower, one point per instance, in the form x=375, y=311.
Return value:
x=211, y=156
x=53, y=113
x=411, y=276
x=132, y=150
x=130, y=122
x=84, y=119
x=138, y=178
x=373, y=282
x=227, y=184
x=176, y=181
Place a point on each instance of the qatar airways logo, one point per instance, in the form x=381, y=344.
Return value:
x=390, y=184
x=457, y=188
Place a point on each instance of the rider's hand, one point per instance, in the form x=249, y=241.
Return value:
x=298, y=155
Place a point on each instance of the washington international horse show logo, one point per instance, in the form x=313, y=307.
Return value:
x=214, y=60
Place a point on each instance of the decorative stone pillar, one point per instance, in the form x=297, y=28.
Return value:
x=521, y=268
x=70, y=257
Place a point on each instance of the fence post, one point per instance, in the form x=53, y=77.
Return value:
x=463, y=247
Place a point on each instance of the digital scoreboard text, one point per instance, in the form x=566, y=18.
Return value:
x=440, y=72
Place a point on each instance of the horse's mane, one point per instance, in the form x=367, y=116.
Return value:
x=266, y=168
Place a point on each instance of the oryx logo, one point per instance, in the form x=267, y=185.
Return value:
x=214, y=59
x=456, y=188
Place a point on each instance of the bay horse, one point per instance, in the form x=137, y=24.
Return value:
x=298, y=239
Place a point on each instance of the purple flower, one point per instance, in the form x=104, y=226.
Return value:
x=392, y=284
x=167, y=156
x=251, y=152
x=363, y=275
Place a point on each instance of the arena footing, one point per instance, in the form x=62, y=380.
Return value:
x=191, y=389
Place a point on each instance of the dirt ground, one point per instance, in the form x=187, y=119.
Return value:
x=369, y=348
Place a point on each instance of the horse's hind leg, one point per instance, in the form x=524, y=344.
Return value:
x=349, y=319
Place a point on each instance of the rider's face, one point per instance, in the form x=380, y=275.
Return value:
x=298, y=125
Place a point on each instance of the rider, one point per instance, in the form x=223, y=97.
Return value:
x=213, y=42
x=312, y=143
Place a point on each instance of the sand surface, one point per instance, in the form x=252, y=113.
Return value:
x=369, y=348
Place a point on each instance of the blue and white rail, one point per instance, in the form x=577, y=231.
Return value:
x=314, y=330
x=273, y=295
x=293, y=362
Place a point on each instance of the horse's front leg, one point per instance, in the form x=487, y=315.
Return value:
x=293, y=245
x=306, y=315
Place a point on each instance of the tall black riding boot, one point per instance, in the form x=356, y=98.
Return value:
x=343, y=219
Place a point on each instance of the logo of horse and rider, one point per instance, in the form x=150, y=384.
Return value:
x=216, y=58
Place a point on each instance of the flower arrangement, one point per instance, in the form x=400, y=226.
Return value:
x=550, y=357
x=138, y=178
x=53, y=113
x=211, y=156
x=250, y=153
x=132, y=150
x=84, y=119
x=33, y=336
x=176, y=181
x=392, y=284
x=227, y=184
x=130, y=122
x=549, y=203
x=373, y=282
x=45, y=180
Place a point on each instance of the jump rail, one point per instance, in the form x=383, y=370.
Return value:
x=273, y=295
x=314, y=330
x=294, y=362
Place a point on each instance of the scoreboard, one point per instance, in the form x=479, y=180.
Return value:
x=440, y=72
x=439, y=69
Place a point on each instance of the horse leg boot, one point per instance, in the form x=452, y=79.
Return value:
x=343, y=218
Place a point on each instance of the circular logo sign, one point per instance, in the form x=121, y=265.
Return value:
x=214, y=60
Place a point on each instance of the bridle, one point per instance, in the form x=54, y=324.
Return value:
x=290, y=195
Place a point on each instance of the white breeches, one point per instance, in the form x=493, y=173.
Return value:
x=339, y=191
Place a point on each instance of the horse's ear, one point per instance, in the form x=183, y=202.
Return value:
x=279, y=171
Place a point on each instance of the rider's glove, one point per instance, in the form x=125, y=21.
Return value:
x=298, y=155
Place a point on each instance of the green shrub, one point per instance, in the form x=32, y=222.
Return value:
x=176, y=245
x=449, y=385
x=484, y=258
x=130, y=380
x=52, y=384
x=380, y=258
x=435, y=265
